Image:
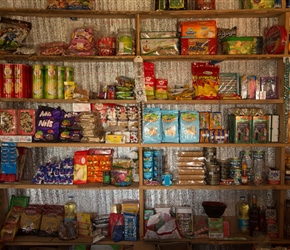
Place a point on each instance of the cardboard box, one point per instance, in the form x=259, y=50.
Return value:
x=274, y=177
x=240, y=131
x=260, y=129
x=215, y=227
x=274, y=128
x=26, y=122
x=8, y=123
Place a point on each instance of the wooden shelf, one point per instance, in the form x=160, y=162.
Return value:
x=217, y=187
x=33, y=58
x=66, y=13
x=30, y=185
x=76, y=144
x=115, y=101
x=196, y=145
x=66, y=101
x=55, y=241
x=215, y=58
x=238, y=13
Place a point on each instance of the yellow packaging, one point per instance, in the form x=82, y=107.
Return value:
x=69, y=88
x=115, y=138
x=83, y=218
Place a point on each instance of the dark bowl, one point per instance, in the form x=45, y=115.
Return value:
x=214, y=209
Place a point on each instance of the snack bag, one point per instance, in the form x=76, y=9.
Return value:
x=152, y=125
x=170, y=126
x=205, y=80
x=12, y=33
x=189, y=126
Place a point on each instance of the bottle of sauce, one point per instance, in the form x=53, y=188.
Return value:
x=244, y=172
x=254, y=217
x=243, y=215
x=70, y=209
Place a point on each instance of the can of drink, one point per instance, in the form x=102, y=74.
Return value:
x=8, y=81
x=60, y=82
x=107, y=177
x=69, y=74
x=50, y=83
x=167, y=179
x=37, y=81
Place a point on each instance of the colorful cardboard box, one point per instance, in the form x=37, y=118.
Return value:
x=260, y=129
x=215, y=228
x=240, y=128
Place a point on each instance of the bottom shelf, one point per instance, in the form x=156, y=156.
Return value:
x=141, y=244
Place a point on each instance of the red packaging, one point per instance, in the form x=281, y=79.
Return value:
x=111, y=90
x=149, y=77
x=275, y=39
x=21, y=80
x=26, y=122
x=205, y=80
x=198, y=46
x=106, y=46
x=1, y=80
x=226, y=225
x=8, y=124
x=205, y=4
x=8, y=81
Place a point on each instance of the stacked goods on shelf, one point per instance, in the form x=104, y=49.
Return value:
x=190, y=168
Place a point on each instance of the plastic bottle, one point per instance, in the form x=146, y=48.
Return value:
x=70, y=209
x=243, y=215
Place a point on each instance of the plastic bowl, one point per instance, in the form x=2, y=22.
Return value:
x=214, y=209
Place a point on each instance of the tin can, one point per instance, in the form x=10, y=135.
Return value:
x=148, y=156
x=167, y=179
x=147, y=178
x=8, y=81
x=148, y=167
x=50, y=83
x=21, y=80
x=69, y=74
x=236, y=175
x=60, y=82
x=37, y=81
x=106, y=177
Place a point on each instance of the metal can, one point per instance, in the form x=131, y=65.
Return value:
x=21, y=79
x=167, y=179
x=50, y=83
x=236, y=175
x=60, y=82
x=8, y=81
x=147, y=178
x=69, y=74
x=106, y=177
x=37, y=81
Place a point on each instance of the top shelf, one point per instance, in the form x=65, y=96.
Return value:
x=144, y=14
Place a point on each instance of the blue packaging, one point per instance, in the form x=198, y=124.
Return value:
x=189, y=126
x=151, y=125
x=170, y=126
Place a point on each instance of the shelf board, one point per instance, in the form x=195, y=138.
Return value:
x=236, y=13
x=12, y=57
x=217, y=58
x=55, y=241
x=30, y=185
x=89, y=186
x=66, y=101
x=218, y=102
x=196, y=145
x=66, y=13
x=76, y=144
x=138, y=145
x=216, y=187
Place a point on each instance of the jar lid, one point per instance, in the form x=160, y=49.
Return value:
x=275, y=39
